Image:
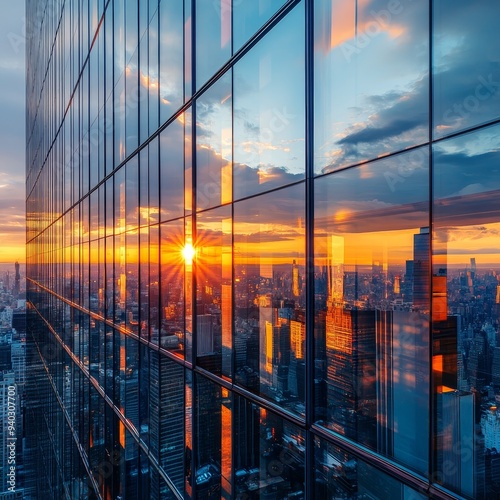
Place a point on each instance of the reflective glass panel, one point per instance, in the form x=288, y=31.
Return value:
x=132, y=193
x=131, y=278
x=132, y=73
x=172, y=285
x=339, y=474
x=170, y=376
x=269, y=454
x=214, y=290
x=153, y=69
x=466, y=312
x=214, y=443
x=172, y=170
x=143, y=315
x=371, y=77
x=213, y=145
x=153, y=179
x=171, y=57
x=248, y=17
x=371, y=271
x=466, y=70
x=154, y=283
x=269, y=110
x=213, y=37
x=269, y=296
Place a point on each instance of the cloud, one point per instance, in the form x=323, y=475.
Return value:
x=248, y=181
x=399, y=119
x=284, y=207
x=372, y=133
x=11, y=206
x=272, y=236
x=466, y=55
x=461, y=173
x=473, y=251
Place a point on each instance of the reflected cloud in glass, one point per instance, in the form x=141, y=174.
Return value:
x=214, y=145
x=371, y=80
x=269, y=110
x=466, y=67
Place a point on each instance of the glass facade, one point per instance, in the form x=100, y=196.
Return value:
x=263, y=248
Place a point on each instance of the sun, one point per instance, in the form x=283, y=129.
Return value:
x=188, y=253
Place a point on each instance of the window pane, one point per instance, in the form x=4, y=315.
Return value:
x=371, y=80
x=269, y=246
x=213, y=446
x=466, y=311
x=269, y=110
x=172, y=286
x=131, y=279
x=213, y=145
x=269, y=453
x=131, y=77
x=372, y=305
x=248, y=17
x=172, y=170
x=144, y=326
x=214, y=290
x=170, y=424
x=213, y=37
x=171, y=57
x=465, y=65
x=340, y=475
x=132, y=193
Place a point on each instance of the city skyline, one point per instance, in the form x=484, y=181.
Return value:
x=262, y=248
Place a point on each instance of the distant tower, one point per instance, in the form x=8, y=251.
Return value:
x=295, y=279
x=421, y=269
x=397, y=285
x=336, y=270
x=473, y=267
x=17, y=281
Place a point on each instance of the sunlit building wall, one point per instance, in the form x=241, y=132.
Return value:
x=262, y=248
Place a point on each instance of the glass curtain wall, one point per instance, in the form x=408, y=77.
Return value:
x=262, y=248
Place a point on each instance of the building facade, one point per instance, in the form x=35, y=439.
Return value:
x=262, y=248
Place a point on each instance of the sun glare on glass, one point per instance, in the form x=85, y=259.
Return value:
x=188, y=252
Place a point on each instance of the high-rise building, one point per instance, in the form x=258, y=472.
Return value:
x=17, y=280
x=262, y=249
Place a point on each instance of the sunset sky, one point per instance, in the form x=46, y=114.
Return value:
x=12, y=138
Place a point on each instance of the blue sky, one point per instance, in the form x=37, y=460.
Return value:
x=12, y=137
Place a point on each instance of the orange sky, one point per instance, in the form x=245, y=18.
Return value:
x=12, y=248
x=12, y=135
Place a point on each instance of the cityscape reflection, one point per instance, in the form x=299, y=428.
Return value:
x=262, y=250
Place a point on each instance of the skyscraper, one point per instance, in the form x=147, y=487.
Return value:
x=262, y=255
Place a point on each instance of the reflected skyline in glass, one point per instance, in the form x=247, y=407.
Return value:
x=262, y=255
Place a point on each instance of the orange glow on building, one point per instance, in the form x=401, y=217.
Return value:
x=439, y=298
x=121, y=429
